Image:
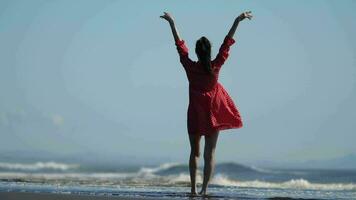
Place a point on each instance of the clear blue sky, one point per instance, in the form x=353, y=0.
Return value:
x=104, y=76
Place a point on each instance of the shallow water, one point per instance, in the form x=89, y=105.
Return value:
x=231, y=181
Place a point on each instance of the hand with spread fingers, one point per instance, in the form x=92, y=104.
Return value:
x=238, y=19
x=244, y=15
x=167, y=17
x=170, y=19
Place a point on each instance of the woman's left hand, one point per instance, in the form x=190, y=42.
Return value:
x=244, y=15
x=167, y=17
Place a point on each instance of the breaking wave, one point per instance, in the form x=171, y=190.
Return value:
x=168, y=174
x=37, y=166
x=162, y=167
x=223, y=180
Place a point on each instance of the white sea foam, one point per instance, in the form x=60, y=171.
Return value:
x=218, y=179
x=37, y=166
x=147, y=170
x=149, y=176
x=183, y=177
x=223, y=180
x=63, y=176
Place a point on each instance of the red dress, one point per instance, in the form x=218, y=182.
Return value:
x=210, y=107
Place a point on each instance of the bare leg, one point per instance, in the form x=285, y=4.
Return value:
x=193, y=160
x=209, y=159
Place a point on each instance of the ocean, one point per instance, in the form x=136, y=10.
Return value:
x=171, y=180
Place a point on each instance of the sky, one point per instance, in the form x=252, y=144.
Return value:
x=104, y=77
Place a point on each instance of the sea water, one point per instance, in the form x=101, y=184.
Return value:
x=171, y=180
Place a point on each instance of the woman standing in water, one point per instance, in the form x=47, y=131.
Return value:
x=210, y=109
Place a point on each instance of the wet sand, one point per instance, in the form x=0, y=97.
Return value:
x=48, y=196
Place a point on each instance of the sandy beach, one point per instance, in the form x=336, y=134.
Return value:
x=48, y=196
x=53, y=196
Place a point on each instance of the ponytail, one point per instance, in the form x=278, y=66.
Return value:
x=203, y=51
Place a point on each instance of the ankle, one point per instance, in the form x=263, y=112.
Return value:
x=203, y=191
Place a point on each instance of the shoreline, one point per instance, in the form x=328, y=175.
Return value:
x=63, y=196
x=59, y=196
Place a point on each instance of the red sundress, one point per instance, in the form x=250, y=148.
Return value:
x=210, y=107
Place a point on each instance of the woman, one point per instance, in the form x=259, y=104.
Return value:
x=211, y=109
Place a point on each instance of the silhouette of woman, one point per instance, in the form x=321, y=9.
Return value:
x=210, y=109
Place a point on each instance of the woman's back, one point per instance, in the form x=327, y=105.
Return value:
x=199, y=79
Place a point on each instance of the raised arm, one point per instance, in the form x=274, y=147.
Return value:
x=237, y=21
x=223, y=53
x=170, y=19
x=181, y=47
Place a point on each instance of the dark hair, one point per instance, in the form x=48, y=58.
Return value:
x=203, y=51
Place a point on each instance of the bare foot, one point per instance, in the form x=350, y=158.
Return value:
x=202, y=192
x=193, y=194
x=193, y=191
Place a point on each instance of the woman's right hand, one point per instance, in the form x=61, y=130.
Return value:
x=244, y=15
x=167, y=17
